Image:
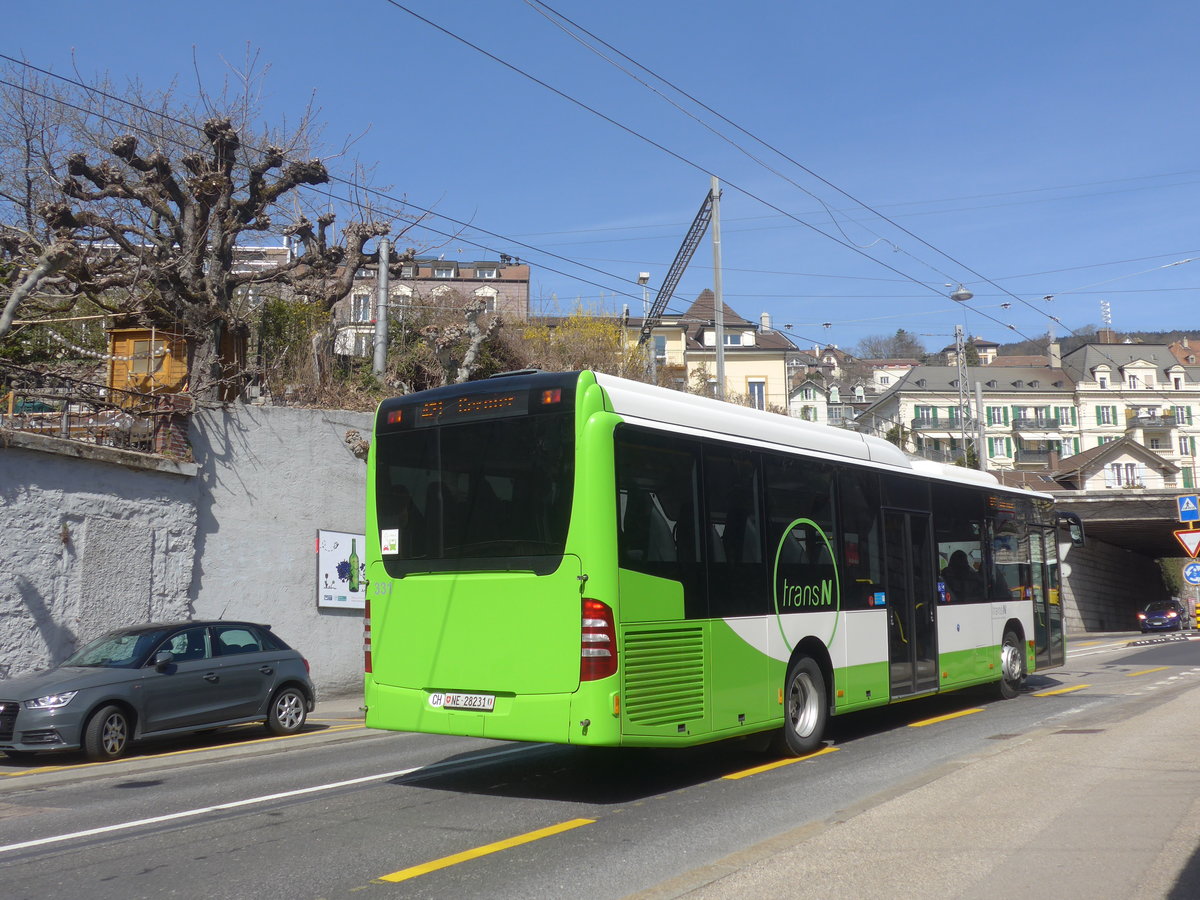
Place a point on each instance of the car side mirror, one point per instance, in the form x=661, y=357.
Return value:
x=163, y=658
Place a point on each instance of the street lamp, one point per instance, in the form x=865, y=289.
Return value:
x=643, y=279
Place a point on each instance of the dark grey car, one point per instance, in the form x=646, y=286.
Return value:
x=157, y=680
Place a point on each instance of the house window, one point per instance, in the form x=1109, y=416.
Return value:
x=1133, y=382
x=836, y=414
x=885, y=379
x=362, y=344
x=758, y=394
x=808, y=394
x=733, y=340
x=1000, y=447
x=485, y=271
x=808, y=413
x=360, y=308
x=147, y=357
x=926, y=413
x=1122, y=475
x=860, y=393
x=1187, y=446
x=1103, y=382
x=1155, y=444
x=660, y=348
x=488, y=296
x=408, y=271
x=443, y=271
x=1106, y=415
x=1177, y=382
x=1183, y=415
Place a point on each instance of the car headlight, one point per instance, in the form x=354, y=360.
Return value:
x=51, y=701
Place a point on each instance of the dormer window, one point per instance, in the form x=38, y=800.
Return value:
x=443, y=270
x=1133, y=382
x=1102, y=380
x=485, y=271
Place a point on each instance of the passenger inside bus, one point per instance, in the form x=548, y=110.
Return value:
x=963, y=583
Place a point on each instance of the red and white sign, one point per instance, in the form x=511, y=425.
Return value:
x=1190, y=541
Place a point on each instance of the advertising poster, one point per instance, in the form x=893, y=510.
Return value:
x=340, y=570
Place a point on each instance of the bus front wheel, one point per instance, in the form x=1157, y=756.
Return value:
x=1012, y=666
x=806, y=707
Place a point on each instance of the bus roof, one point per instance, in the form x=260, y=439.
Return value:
x=654, y=404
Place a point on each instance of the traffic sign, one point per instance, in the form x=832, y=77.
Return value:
x=1189, y=508
x=1191, y=573
x=1190, y=541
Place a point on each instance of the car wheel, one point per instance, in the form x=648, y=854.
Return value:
x=806, y=708
x=289, y=710
x=1012, y=666
x=107, y=733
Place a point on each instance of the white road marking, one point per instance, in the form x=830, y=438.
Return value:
x=251, y=801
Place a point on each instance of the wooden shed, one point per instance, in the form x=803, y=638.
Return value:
x=147, y=361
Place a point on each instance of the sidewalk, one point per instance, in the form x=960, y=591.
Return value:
x=1074, y=815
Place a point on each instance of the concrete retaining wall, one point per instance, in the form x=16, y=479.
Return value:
x=88, y=544
x=84, y=546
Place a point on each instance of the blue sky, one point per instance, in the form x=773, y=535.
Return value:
x=1032, y=149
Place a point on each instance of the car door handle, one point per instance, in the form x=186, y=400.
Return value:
x=211, y=676
x=266, y=670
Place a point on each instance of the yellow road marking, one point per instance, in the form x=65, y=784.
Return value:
x=1145, y=671
x=1065, y=690
x=447, y=861
x=111, y=762
x=945, y=718
x=1085, y=643
x=746, y=773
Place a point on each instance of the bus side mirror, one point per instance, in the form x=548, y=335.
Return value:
x=1074, y=527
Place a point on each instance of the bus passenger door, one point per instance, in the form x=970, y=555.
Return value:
x=912, y=603
x=1049, y=642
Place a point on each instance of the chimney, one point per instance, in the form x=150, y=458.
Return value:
x=766, y=323
x=1054, y=352
x=1184, y=341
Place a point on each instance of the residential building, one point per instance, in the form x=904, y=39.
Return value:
x=684, y=348
x=1036, y=417
x=503, y=286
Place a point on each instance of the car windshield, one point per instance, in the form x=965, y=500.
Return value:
x=1160, y=606
x=118, y=650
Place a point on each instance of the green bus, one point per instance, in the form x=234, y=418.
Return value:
x=582, y=559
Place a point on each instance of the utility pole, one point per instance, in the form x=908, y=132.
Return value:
x=718, y=295
x=381, y=313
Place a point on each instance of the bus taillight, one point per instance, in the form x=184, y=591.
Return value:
x=598, y=642
x=367, y=637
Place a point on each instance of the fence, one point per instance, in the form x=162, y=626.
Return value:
x=72, y=409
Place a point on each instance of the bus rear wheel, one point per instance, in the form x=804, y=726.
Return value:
x=805, y=708
x=1012, y=666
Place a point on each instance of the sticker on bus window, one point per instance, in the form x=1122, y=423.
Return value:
x=879, y=598
x=389, y=541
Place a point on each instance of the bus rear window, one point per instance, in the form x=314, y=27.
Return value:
x=487, y=495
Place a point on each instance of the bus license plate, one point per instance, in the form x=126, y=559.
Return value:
x=477, y=702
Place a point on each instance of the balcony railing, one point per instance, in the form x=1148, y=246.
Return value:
x=1033, y=456
x=1035, y=424
x=949, y=425
x=1150, y=422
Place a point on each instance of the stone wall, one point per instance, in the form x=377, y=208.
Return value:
x=273, y=476
x=87, y=544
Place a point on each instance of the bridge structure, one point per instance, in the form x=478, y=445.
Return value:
x=1128, y=534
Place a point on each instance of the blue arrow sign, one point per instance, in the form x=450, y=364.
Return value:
x=1189, y=508
x=1191, y=573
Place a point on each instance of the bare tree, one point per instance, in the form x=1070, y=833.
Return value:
x=157, y=214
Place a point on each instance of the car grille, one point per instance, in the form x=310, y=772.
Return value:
x=8, y=718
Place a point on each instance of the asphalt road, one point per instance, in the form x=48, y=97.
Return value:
x=340, y=811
